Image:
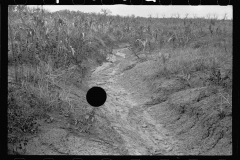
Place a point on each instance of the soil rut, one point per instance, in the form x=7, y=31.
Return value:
x=137, y=121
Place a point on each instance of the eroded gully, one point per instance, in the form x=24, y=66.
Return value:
x=142, y=135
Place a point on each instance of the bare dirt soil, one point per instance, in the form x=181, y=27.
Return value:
x=144, y=114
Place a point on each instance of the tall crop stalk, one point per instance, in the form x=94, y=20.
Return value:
x=13, y=53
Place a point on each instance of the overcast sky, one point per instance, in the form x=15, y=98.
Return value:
x=145, y=11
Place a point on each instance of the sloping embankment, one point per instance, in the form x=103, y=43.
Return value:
x=196, y=118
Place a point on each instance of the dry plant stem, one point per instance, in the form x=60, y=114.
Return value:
x=225, y=98
x=143, y=43
x=13, y=53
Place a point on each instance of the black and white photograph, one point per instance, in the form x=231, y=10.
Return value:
x=119, y=80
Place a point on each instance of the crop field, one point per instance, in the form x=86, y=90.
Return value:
x=168, y=80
